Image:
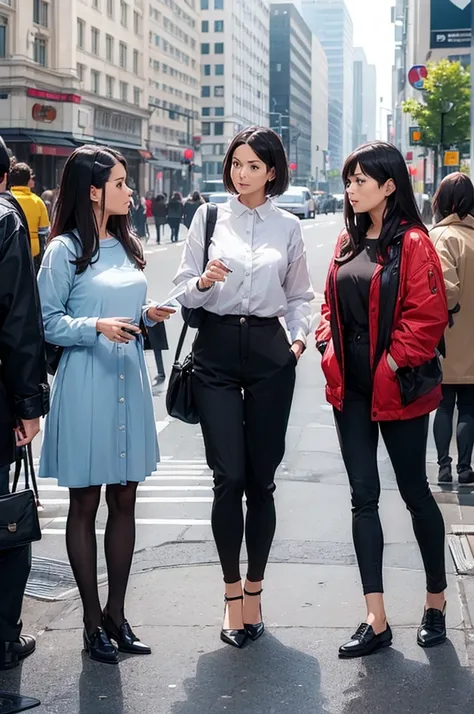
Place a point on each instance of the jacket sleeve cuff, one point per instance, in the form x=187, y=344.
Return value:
x=35, y=406
x=88, y=332
x=146, y=320
x=298, y=333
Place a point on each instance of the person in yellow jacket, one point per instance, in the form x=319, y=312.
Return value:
x=33, y=207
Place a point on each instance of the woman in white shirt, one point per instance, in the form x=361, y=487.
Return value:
x=244, y=364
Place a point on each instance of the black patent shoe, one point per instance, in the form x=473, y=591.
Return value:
x=100, y=647
x=364, y=642
x=445, y=474
x=466, y=477
x=432, y=630
x=255, y=631
x=124, y=636
x=235, y=638
x=12, y=652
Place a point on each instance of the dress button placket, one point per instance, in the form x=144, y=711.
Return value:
x=122, y=419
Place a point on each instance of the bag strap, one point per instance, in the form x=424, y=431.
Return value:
x=25, y=458
x=211, y=219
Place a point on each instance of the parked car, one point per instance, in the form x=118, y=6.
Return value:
x=339, y=201
x=329, y=204
x=219, y=197
x=211, y=187
x=297, y=200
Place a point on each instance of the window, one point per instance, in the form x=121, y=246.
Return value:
x=204, y=4
x=95, y=40
x=3, y=36
x=123, y=13
x=109, y=86
x=109, y=48
x=40, y=51
x=206, y=111
x=205, y=26
x=81, y=29
x=219, y=48
x=136, y=62
x=95, y=81
x=219, y=111
x=95, y=4
x=207, y=70
x=206, y=128
x=219, y=91
x=219, y=26
x=40, y=12
x=81, y=71
x=124, y=91
x=123, y=55
x=205, y=47
x=110, y=8
x=219, y=69
x=137, y=25
x=219, y=128
x=205, y=91
x=218, y=4
x=136, y=96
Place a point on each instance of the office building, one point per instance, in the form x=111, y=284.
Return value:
x=319, y=114
x=365, y=100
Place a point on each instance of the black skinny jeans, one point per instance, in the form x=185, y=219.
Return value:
x=443, y=425
x=406, y=445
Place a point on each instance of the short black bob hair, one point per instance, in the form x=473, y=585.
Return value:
x=455, y=195
x=381, y=161
x=269, y=149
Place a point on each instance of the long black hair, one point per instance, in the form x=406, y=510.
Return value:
x=381, y=161
x=91, y=166
x=455, y=195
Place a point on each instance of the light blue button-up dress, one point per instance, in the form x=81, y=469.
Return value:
x=101, y=427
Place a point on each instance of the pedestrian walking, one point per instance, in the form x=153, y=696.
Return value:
x=453, y=238
x=24, y=398
x=160, y=214
x=383, y=318
x=101, y=429
x=190, y=207
x=244, y=364
x=175, y=215
x=159, y=343
x=140, y=220
x=21, y=178
x=48, y=199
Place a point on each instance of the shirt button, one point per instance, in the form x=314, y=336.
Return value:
x=122, y=427
x=247, y=274
x=121, y=400
x=242, y=320
x=123, y=455
x=122, y=376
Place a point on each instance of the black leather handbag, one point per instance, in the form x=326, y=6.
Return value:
x=19, y=522
x=180, y=402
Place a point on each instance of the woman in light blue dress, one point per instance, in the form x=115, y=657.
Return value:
x=101, y=427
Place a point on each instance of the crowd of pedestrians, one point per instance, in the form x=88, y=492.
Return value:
x=395, y=336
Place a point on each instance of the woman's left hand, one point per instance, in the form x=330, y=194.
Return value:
x=159, y=314
x=297, y=348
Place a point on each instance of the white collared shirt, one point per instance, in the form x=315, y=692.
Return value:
x=264, y=248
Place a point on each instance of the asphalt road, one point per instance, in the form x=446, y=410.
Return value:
x=312, y=599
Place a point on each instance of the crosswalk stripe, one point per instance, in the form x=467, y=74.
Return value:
x=139, y=521
x=141, y=488
x=145, y=499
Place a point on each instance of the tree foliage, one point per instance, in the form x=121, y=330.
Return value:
x=446, y=82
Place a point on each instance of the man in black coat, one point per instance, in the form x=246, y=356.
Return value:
x=24, y=396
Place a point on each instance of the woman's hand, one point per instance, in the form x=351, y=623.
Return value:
x=216, y=272
x=159, y=314
x=297, y=348
x=118, y=329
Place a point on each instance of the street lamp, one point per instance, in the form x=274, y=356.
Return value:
x=445, y=109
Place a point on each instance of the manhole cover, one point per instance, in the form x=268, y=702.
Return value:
x=52, y=580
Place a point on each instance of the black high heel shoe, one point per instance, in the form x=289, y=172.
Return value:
x=255, y=631
x=99, y=647
x=124, y=636
x=235, y=638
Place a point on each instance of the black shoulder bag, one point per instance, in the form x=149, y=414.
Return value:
x=19, y=522
x=179, y=396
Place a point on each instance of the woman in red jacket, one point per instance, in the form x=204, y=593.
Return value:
x=384, y=316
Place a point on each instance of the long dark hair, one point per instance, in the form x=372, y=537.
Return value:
x=455, y=195
x=91, y=166
x=381, y=161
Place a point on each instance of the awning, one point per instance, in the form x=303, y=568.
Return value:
x=42, y=138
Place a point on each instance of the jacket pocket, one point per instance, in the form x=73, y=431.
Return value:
x=330, y=366
x=386, y=390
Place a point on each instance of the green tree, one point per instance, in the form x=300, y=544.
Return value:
x=447, y=83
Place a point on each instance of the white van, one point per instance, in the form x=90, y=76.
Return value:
x=297, y=200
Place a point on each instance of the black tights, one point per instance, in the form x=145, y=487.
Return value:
x=119, y=546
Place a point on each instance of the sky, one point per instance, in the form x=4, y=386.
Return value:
x=374, y=32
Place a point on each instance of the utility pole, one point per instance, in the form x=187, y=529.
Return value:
x=188, y=116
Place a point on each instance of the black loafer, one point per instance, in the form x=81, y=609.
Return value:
x=12, y=652
x=100, y=647
x=432, y=631
x=466, y=477
x=445, y=474
x=364, y=642
x=124, y=636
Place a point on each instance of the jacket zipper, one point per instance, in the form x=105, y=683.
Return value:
x=339, y=327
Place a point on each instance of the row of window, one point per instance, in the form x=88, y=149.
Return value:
x=218, y=70
x=218, y=4
x=218, y=26
x=213, y=149
x=124, y=13
x=173, y=72
x=170, y=49
x=207, y=127
x=218, y=111
x=177, y=10
x=110, y=85
x=95, y=47
x=206, y=91
x=218, y=48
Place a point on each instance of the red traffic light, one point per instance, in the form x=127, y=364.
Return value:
x=293, y=167
x=188, y=154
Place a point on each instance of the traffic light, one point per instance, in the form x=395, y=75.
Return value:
x=415, y=135
x=188, y=156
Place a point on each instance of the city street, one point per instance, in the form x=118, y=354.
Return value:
x=312, y=601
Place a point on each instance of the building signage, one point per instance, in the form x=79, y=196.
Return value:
x=53, y=96
x=451, y=22
x=451, y=158
x=44, y=112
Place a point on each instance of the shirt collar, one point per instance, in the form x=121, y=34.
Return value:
x=239, y=209
x=21, y=189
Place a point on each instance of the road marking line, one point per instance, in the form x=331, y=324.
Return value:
x=140, y=488
x=145, y=499
x=179, y=478
x=180, y=522
x=161, y=425
x=181, y=461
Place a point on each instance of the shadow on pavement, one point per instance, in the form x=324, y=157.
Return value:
x=265, y=677
x=94, y=697
x=388, y=682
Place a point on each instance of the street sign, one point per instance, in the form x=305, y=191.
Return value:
x=417, y=75
x=415, y=135
x=451, y=158
x=450, y=24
